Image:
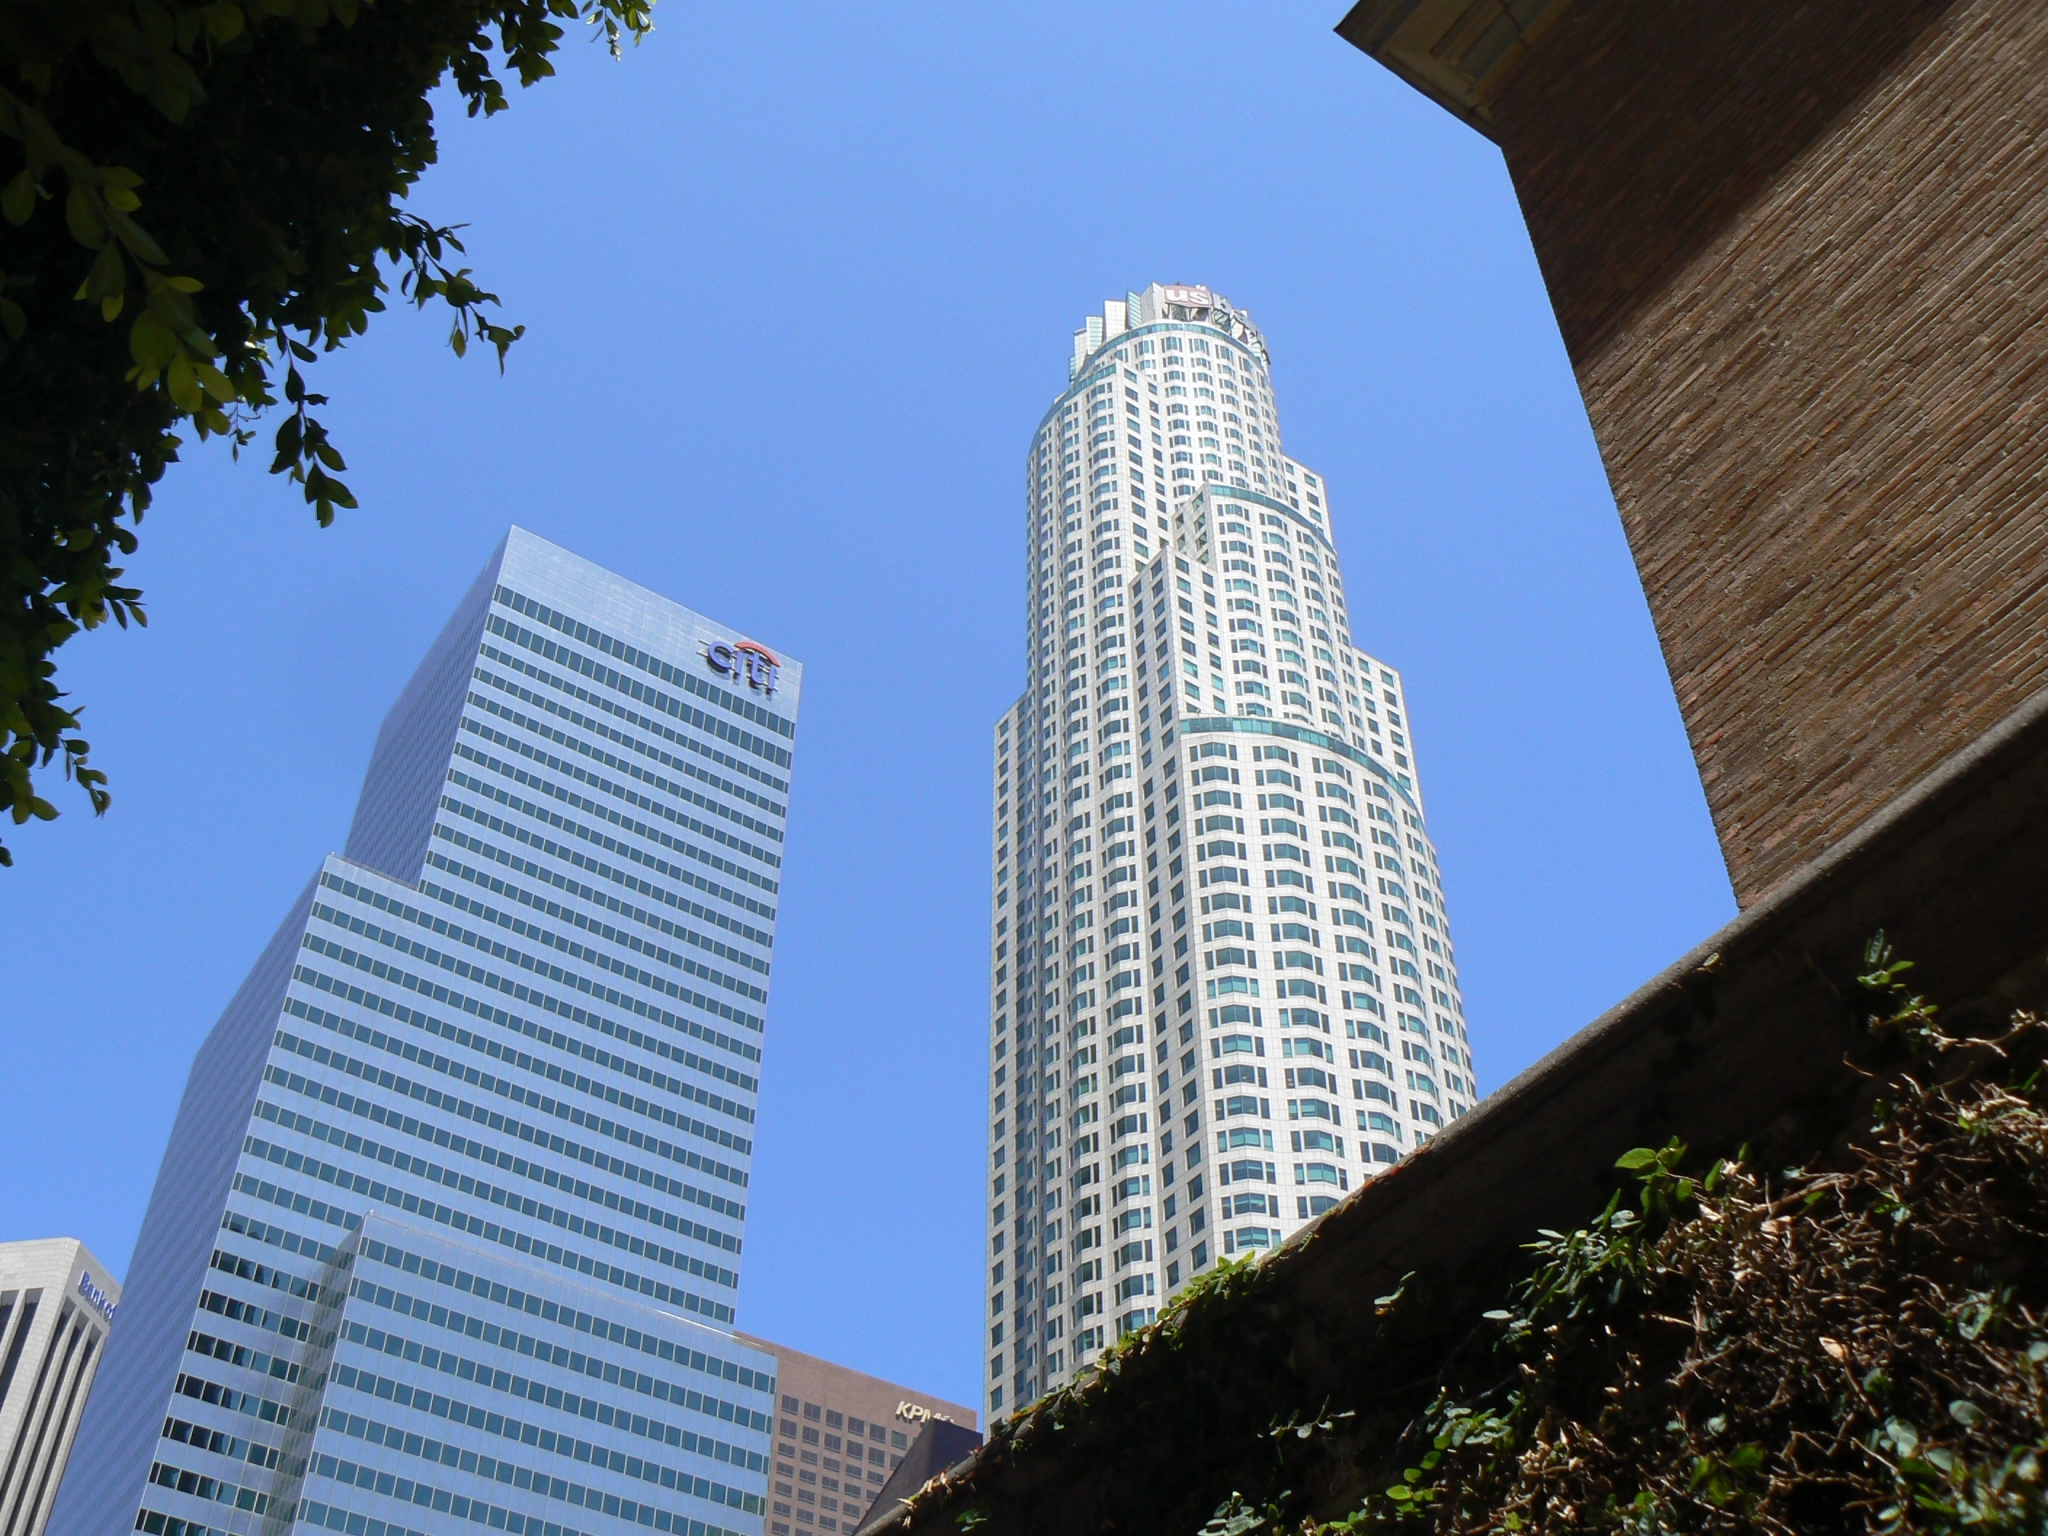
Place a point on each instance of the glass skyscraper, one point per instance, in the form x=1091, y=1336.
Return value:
x=449, y=1227
x=1223, y=991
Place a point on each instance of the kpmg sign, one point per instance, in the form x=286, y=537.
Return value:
x=94, y=1296
x=744, y=659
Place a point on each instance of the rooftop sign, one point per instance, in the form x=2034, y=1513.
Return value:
x=745, y=659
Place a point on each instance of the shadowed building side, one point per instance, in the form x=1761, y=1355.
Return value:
x=1795, y=254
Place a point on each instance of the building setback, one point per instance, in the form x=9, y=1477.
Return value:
x=449, y=1226
x=57, y=1304
x=1223, y=989
x=839, y=1435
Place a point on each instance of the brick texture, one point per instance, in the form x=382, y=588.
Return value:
x=1797, y=255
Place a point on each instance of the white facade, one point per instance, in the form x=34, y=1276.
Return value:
x=1223, y=991
x=57, y=1304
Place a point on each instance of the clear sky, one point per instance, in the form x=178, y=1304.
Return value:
x=799, y=281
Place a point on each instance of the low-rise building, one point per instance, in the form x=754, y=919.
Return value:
x=56, y=1307
x=838, y=1436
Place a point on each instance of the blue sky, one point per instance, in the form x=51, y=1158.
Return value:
x=799, y=281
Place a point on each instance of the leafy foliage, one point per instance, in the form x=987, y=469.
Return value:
x=199, y=197
x=1861, y=1349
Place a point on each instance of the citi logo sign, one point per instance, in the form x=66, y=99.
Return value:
x=744, y=659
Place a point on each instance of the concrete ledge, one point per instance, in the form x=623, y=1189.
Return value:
x=1754, y=1037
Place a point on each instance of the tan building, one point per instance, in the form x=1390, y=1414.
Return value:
x=838, y=1436
x=56, y=1306
x=1793, y=251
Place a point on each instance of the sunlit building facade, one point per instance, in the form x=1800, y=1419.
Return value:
x=840, y=1435
x=56, y=1305
x=448, y=1232
x=1223, y=989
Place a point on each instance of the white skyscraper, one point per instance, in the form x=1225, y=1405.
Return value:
x=1223, y=991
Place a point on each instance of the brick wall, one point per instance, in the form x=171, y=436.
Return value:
x=1799, y=253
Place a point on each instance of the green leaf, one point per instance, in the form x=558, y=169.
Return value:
x=217, y=385
x=151, y=344
x=225, y=21
x=1636, y=1157
x=175, y=310
x=1966, y=1413
x=141, y=245
x=183, y=383
x=288, y=432
x=19, y=200
x=107, y=277
x=83, y=216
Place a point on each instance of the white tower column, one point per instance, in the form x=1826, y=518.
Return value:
x=1223, y=991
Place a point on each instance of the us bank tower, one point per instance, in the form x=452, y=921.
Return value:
x=1223, y=989
x=448, y=1232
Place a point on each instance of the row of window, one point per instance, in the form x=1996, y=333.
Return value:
x=589, y=730
x=400, y=943
x=1074, y=978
